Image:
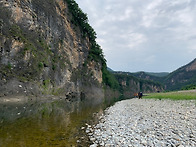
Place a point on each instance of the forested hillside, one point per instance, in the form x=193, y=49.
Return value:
x=182, y=78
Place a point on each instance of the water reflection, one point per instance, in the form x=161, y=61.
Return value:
x=48, y=122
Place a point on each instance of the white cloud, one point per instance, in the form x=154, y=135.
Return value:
x=152, y=29
x=154, y=4
x=135, y=39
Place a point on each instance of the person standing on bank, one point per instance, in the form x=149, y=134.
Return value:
x=140, y=95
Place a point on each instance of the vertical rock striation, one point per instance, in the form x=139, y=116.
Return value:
x=131, y=85
x=42, y=52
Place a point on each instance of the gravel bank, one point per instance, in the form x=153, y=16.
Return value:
x=141, y=122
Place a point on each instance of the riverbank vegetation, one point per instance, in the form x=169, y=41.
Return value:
x=189, y=87
x=177, y=95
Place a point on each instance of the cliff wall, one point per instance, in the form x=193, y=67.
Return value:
x=130, y=85
x=43, y=52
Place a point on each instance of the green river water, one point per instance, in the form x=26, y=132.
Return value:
x=46, y=123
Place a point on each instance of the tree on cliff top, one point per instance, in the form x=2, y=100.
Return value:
x=96, y=54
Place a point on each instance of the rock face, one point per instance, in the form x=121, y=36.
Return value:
x=42, y=52
x=130, y=85
x=45, y=51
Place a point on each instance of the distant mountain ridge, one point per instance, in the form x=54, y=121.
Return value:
x=176, y=80
x=181, y=77
x=157, y=77
x=150, y=76
x=158, y=74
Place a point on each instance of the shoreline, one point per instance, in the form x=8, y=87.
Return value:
x=146, y=122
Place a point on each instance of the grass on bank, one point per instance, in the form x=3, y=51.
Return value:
x=177, y=95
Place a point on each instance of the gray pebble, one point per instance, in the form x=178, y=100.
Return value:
x=146, y=123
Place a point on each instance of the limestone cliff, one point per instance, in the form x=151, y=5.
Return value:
x=130, y=85
x=44, y=52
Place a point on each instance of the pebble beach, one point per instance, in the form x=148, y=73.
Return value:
x=146, y=122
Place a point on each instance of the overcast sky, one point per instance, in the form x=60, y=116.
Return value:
x=144, y=35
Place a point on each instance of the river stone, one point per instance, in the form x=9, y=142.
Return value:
x=146, y=123
x=93, y=145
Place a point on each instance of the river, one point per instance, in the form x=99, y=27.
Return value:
x=46, y=122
